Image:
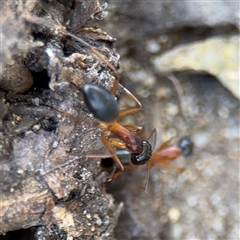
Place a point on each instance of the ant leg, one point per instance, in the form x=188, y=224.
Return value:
x=96, y=52
x=179, y=91
x=164, y=145
x=172, y=168
x=128, y=111
x=132, y=97
x=114, y=156
x=102, y=59
x=131, y=110
x=117, y=143
x=66, y=114
x=154, y=132
x=148, y=176
x=116, y=83
x=133, y=128
x=98, y=155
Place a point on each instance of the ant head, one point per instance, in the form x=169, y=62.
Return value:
x=144, y=156
x=100, y=102
x=186, y=145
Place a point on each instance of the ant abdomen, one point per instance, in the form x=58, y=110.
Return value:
x=100, y=102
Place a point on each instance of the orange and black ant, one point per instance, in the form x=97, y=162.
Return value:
x=104, y=107
x=163, y=155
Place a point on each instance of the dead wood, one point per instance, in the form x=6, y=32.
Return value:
x=46, y=180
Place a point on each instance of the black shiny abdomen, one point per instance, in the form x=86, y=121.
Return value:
x=144, y=156
x=100, y=102
x=186, y=146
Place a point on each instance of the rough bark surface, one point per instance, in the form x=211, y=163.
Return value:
x=46, y=131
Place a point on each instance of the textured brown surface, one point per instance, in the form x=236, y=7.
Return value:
x=46, y=178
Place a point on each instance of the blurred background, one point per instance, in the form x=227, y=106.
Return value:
x=197, y=43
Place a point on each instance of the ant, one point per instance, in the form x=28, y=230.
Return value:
x=163, y=155
x=104, y=107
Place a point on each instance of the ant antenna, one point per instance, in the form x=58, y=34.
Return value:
x=155, y=138
x=154, y=132
x=100, y=57
x=148, y=175
x=179, y=91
